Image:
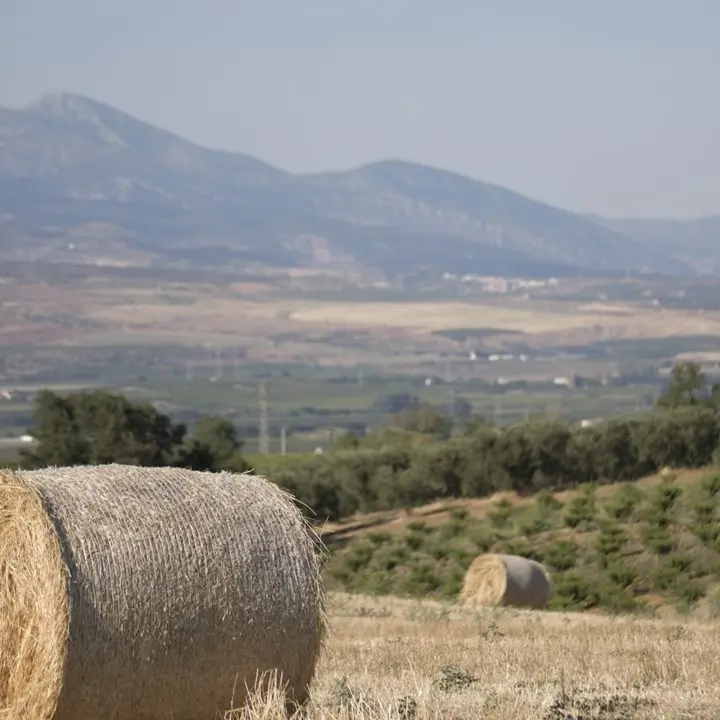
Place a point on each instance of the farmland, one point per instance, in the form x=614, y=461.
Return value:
x=330, y=350
x=425, y=660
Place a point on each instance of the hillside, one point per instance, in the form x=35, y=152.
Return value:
x=636, y=546
x=83, y=182
x=693, y=242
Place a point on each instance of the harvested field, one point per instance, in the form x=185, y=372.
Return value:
x=391, y=658
x=105, y=311
x=434, y=316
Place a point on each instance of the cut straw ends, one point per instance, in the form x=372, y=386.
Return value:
x=33, y=604
x=131, y=593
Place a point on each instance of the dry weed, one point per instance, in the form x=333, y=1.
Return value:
x=419, y=660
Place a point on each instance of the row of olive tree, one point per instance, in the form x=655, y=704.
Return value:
x=417, y=460
x=414, y=461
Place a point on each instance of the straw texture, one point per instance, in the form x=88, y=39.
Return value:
x=159, y=593
x=507, y=580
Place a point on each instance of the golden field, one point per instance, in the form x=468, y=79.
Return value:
x=99, y=310
x=389, y=658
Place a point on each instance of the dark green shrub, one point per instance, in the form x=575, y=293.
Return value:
x=574, y=590
x=610, y=541
x=546, y=502
x=658, y=539
x=579, y=512
x=710, y=484
x=560, y=555
x=500, y=515
x=623, y=504
x=621, y=574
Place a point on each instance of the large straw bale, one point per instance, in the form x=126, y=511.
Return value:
x=131, y=593
x=505, y=580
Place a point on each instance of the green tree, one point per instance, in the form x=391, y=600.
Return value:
x=98, y=427
x=689, y=386
x=462, y=408
x=426, y=420
x=216, y=446
x=57, y=434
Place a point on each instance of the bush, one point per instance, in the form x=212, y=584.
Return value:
x=580, y=511
x=624, y=502
x=609, y=542
x=574, y=590
x=561, y=555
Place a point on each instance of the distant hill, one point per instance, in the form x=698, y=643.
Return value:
x=694, y=242
x=83, y=182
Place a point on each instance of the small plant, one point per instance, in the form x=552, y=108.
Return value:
x=341, y=693
x=574, y=590
x=492, y=631
x=658, y=539
x=621, y=574
x=586, y=706
x=459, y=514
x=406, y=708
x=580, y=510
x=501, y=513
x=561, y=555
x=379, y=538
x=609, y=542
x=624, y=502
x=710, y=484
x=688, y=590
x=546, y=501
x=452, y=678
x=418, y=526
x=665, y=498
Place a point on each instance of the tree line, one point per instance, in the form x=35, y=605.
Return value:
x=418, y=458
x=97, y=427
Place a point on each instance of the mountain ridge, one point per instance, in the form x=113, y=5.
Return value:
x=67, y=161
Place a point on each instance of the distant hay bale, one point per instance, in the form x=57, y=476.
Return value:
x=131, y=593
x=505, y=580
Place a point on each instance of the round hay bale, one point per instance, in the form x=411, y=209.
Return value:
x=130, y=593
x=506, y=580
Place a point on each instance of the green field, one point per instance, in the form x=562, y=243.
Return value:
x=310, y=402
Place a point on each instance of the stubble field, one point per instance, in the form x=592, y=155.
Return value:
x=419, y=660
x=103, y=310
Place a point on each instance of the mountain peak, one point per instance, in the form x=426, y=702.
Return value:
x=68, y=159
x=62, y=104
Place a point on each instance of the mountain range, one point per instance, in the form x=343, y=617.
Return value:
x=83, y=182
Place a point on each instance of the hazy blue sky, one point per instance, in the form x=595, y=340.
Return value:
x=594, y=105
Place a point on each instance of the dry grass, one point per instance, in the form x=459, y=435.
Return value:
x=33, y=605
x=177, y=310
x=552, y=317
x=411, y=660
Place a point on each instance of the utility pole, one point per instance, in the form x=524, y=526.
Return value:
x=283, y=440
x=263, y=435
x=236, y=365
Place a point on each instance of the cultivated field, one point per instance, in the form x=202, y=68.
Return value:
x=101, y=310
x=414, y=660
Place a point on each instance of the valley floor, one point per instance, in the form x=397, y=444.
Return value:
x=421, y=660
